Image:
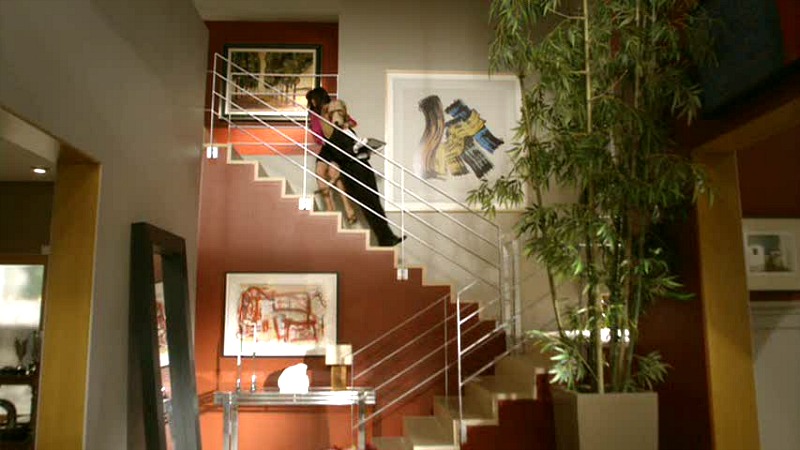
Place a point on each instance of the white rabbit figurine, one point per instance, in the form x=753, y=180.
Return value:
x=294, y=380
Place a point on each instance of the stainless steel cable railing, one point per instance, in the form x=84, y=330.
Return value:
x=430, y=246
x=404, y=170
x=459, y=327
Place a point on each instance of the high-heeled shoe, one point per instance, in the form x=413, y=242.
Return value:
x=394, y=240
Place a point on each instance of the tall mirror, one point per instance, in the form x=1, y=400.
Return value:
x=160, y=339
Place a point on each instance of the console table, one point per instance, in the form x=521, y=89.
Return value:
x=316, y=396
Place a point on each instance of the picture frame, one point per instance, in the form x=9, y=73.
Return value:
x=166, y=390
x=451, y=130
x=280, y=314
x=285, y=74
x=771, y=250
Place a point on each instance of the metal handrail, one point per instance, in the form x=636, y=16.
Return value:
x=433, y=376
x=400, y=325
x=462, y=352
x=394, y=163
x=421, y=241
x=391, y=161
x=417, y=238
x=358, y=161
x=404, y=346
x=418, y=218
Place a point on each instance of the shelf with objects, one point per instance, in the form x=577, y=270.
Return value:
x=294, y=390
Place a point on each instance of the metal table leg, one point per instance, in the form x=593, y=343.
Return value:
x=226, y=423
x=235, y=426
x=230, y=424
x=362, y=427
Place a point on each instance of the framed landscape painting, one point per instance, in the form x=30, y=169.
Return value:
x=270, y=82
x=771, y=254
x=451, y=130
x=279, y=314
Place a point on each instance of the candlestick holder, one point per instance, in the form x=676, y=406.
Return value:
x=340, y=358
x=255, y=346
x=239, y=362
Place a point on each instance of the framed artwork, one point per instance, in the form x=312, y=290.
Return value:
x=451, y=130
x=771, y=254
x=279, y=314
x=270, y=81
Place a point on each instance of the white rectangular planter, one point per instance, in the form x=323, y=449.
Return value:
x=618, y=421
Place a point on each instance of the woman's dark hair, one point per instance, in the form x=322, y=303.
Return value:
x=317, y=98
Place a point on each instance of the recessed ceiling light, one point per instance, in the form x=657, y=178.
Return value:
x=39, y=170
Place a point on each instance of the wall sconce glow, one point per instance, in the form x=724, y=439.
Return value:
x=212, y=152
x=39, y=170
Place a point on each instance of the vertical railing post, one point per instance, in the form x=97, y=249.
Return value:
x=213, y=96
x=462, y=432
x=446, y=302
x=402, y=270
x=516, y=279
x=305, y=201
x=507, y=315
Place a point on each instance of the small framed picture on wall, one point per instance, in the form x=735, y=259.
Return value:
x=269, y=82
x=771, y=254
x=279, y=314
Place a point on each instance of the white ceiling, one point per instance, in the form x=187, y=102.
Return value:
x=16, y=164
x=269, y=10
x=22, y=147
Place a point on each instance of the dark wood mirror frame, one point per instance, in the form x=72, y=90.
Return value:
x=147, y=243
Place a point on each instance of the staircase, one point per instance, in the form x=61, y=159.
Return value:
x=495, y=409
x=465, y=344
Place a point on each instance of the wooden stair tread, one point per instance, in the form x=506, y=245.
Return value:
x=390, y=443
x=426, y=432
x=503, y=389
x=447, y=408
x=528, y=362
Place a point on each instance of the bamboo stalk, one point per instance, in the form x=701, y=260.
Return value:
x=592, y=300
x=637, y=308
x=539, y=202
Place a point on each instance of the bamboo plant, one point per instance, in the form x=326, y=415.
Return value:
x=603, y=81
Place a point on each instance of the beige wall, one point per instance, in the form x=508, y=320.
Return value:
x=413, y=35
x=376, y=36
x=123, y=82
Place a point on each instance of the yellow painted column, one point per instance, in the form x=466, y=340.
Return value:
x=726, y=301
x=726, y=310
x=67, y=310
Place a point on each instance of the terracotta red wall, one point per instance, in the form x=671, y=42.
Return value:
x=326, y=35
x=770, y=188
x=676, y=330
x=30, y=204
x=768, y=176
x=246, y=226
x=790, y=26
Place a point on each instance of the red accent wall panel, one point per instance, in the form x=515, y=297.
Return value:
x=789, y=11
x=770, y=188
x=675, y=329
x=246, y=226
x=326, y=35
